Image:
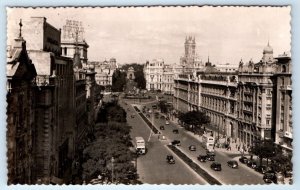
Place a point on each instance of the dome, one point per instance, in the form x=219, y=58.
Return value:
x=268, y=49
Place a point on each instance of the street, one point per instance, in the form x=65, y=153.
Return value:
x=153, y=168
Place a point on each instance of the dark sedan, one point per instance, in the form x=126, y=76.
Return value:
x=252, y=164
x=233, y=164
x=175, y=142
x=216, y=166
x=261, y=169
x=192, y=148
x=243, y=160
x=270, y=177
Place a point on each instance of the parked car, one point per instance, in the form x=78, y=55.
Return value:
x=192, y=148
x=261, y=169
x=270, y=177
x=210, y=152
x=175, y=131
x=233, y=164
x=162, y=117
x=170, y=159
x=202, y=158
x=216, y=166
x=243, y=160
x=132, y=116
x=162, y=127
x=167, y=122
x=148, y=115
x=163, y=138
x=252, y=164
x=175, y=142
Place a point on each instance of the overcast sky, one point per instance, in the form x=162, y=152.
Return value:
x=226, y=34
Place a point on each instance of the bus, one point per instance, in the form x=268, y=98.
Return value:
x=208, y=142
x=140, y=145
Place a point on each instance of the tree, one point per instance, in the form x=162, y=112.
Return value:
x=195, y=119
x=138, y=74
x=163, y=106
x=118, y=81
x=113, y=140
x=264, y=149
x=111, y=112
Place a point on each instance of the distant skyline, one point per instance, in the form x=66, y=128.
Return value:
x=134, y=35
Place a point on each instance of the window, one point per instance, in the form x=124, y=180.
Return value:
x=65, y=50
x=268, y=121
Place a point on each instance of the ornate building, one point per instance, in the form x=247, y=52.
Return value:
x=160, y=76
x=104, y=72
x=283, y=89
x=212, y=92
x=250, y=104
x=54, y=124
x=20, y=113
x=72, y=38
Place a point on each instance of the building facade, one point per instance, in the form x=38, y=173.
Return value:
x=72, y=38
x=212, y=92
x=20, y=113
x=250, y=104
x=54, y=133
x=160, y=76
x=104, y=72
x=283, y=89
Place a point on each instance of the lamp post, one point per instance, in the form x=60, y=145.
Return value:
x=112, y=169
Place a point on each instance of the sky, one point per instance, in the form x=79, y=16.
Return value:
x=135, y=35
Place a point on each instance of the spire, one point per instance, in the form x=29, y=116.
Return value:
x=20, y=24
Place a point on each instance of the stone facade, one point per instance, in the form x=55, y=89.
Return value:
x=250, y=104
x=72, y=37
x=20, y=113
x=283, y=89
x=104, y=72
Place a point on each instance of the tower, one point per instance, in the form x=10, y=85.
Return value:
x=190, y=47
x=268, y=54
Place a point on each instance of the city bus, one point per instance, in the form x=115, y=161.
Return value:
x=140, y=145
x=208, y=142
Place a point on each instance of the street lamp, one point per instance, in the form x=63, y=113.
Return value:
x=112, y=169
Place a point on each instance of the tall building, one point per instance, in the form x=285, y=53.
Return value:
x=53, y=137
x=250, y=104
x=160, y=76
x=190, y=61
x=20, y=73
x=72, y=38
x=283, y=89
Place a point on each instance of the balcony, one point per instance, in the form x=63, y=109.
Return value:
x=288, y=134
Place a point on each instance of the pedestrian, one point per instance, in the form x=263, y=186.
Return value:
x=236, y=146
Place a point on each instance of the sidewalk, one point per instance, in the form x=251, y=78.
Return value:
x=235, y=147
